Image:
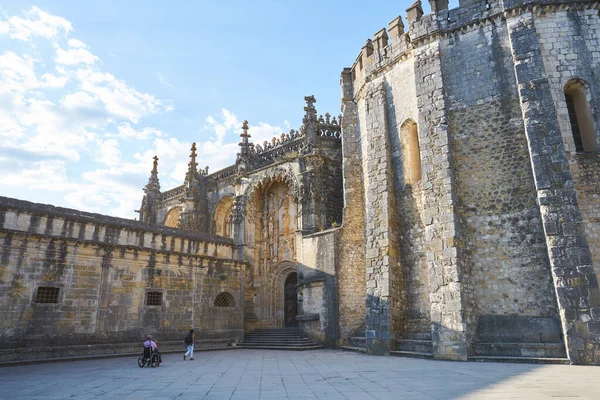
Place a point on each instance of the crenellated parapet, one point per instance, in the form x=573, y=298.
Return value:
x=395, y=44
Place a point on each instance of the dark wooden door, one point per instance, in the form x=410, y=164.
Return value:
x=291, y=300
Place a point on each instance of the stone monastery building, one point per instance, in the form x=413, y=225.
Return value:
x=451, y=211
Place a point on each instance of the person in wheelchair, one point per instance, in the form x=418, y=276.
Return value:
x=151, y=344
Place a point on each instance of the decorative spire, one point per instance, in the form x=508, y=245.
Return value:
x=192, y=168
x=153, y=183
x=311, y=111
x=245, y=144
x=309, y=125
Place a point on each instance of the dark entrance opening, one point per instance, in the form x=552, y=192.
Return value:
x=290, y=304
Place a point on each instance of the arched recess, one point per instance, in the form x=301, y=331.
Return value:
x=277, y=291
x=222, y=217
x=580, y=115
x=411, y=154
x=172, y=218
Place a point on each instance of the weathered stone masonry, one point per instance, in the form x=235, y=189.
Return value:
x=104, y=269
x=505, y=241
x=452, y=211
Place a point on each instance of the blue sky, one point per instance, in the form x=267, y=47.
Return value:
x=90, y=91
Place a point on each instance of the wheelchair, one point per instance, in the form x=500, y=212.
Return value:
x=149, y=358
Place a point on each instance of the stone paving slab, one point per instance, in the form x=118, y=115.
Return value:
x=318, y=374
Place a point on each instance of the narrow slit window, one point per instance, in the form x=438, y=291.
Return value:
x=580, y=116
x=47, y=295
x=574, y=123
x=154, y=299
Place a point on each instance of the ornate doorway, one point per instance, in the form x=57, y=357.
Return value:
x=290, y=300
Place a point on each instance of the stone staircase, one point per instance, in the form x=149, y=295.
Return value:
x=277, y=339
x=411, y=345
x=357, y=343
x=418, y=345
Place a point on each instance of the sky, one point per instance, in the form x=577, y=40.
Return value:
x=90, y=91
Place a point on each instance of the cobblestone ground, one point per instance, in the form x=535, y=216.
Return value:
x=321, y=374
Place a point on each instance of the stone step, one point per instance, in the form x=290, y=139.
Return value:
x=355, y=349
x=415, y=346
x=413, y=354
x=275, y=344
x=531, y=360
x=293, y=348
x=416, y=335
x=358, y=341
x=287, y=342
x=537, y=350
x=271, y=335
x=277, y=339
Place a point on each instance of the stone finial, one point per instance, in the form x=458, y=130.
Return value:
x=193, y=164
x=438, y=5
x=396, y=27
x=311, y=111
x=192, y=168
x=381, y=39
x=155, y=165
x=153, y=186
x=414, y=12
x=244, y=144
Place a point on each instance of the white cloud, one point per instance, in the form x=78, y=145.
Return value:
x=74, y=56
x=67, y=126
x=125, y=131
x=46, y=175
x=77, y=44
x=118, y=98
x=36, y=23
x=108, y=152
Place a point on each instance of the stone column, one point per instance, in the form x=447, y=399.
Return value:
x=383, y=273
x=350, y=270
x=574, y=280
x=104, y=291
x=447, y=286
x=238, y=213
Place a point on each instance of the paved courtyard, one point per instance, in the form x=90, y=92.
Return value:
x=319, y=374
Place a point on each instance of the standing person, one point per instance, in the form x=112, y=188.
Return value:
x=189, y=342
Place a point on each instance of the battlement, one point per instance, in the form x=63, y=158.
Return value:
x=395, y=43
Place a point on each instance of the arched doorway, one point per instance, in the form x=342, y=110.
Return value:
x=290, y=305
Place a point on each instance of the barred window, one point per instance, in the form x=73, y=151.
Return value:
x=46, y=295
x=154, y=299
x=224, y=300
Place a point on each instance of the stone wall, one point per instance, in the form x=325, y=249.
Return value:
x=569, y=47
x=401, y=97
x=318, y=310
x=104, y=269
x=505, y=215
x=504, y=241
x=350, y=271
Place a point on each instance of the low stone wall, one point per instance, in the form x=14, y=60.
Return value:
x=59, y=353
x=74, y=284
